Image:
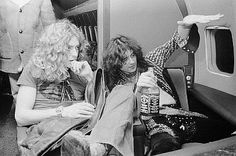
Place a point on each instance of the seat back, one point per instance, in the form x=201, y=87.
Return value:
x=178, y=80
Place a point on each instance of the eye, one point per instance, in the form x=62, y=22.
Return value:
x=70, y=47
x=125, y=60
x=132, y=55
x=77, y=48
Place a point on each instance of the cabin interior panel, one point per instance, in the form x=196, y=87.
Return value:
x=207, y=71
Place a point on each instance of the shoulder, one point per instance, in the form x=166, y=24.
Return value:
x=125, y=89
x=26, y=77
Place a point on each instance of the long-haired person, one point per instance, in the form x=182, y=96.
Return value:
x=53, y=83
x=124, y=65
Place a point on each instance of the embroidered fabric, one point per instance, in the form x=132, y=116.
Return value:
x=176, y=122
x=179, y=126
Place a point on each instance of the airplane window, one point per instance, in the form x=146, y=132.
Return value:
x=220, y=50
x=224, y=51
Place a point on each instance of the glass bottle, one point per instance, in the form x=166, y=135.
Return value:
x=150, y=99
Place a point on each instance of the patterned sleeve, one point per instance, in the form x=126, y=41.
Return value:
x=47, y=13
x=161, y=54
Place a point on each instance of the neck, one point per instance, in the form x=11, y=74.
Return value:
x=129, y=77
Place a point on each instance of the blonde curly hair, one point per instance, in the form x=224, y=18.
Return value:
x=50, y=59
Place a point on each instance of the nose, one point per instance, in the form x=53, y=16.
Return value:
x=131, y=59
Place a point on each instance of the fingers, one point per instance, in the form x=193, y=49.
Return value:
x=209, y=18
x=78, y=110
x=86, y=71
x=150, y=74
x=85, y=106
x=82, y=68
x=147, y=79
x=215, y=17
x=84, y=116
x=191, y=19
x=76, y=66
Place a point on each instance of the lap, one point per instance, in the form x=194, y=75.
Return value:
x=191, y=128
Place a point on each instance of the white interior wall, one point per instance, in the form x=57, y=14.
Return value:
x=150, y=22
x=203, y=74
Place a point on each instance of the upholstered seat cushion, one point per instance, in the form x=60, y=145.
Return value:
x=191, y=144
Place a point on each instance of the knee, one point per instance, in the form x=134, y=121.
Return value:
x=164, y=142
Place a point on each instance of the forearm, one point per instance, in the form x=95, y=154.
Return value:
x=29, y=117
x=162, y=53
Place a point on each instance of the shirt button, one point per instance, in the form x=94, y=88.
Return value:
x=20, y=10
x=21, y=31
x=22, y=51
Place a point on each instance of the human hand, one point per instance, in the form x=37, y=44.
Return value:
x=79, y=110
x=82, y=68
x=189, y=20
x=146, y=79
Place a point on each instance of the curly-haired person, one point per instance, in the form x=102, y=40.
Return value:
x=52, y=86
x=124, y=65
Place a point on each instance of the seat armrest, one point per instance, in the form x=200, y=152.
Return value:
x=177, y=79
x=139, y=129
x=221, y=102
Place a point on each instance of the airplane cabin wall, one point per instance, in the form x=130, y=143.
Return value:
x=205, y=73
x=150, y=22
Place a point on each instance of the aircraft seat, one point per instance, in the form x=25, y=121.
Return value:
x=176, y=78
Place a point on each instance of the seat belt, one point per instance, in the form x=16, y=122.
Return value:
x=189, y=68
x=178, y=79
x=182, y=7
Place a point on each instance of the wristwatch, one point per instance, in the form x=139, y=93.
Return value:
x=59, y=111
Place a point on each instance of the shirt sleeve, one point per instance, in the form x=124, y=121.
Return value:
x=161, y=54
x=1, y=26
x=47, y=13
x=26, y=78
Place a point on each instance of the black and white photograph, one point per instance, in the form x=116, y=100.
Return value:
x=117, y=78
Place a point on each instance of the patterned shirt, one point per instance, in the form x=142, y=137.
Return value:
x=159, y=56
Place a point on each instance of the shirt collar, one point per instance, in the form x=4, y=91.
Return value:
x=20, y=3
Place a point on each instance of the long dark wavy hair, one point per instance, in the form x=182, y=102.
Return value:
x=115, y=56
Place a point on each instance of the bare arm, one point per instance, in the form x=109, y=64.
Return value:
x=26, y=115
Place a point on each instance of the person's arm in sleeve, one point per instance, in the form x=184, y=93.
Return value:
x=180, y=38
x=1, y=26
x=47, y=13
x=25, y=114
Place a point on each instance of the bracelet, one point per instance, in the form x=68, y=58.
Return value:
x=59, y=111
